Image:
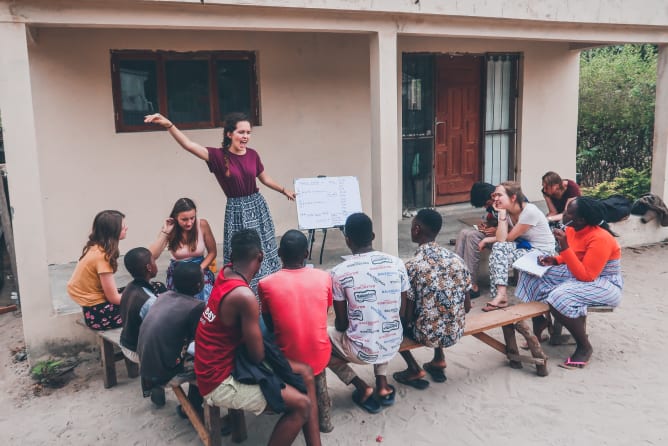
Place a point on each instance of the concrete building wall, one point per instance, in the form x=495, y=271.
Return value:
x=314, y=92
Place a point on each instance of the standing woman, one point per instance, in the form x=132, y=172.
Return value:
x=236, y=166
x=530, y=231
x=92, y=284
x=188, y=239
x=587, y=272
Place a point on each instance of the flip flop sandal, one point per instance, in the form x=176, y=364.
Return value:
x=491, y=307
x=572, y=365
x=388, y=400
x=437, y=374
x=370, y=404
x=419, y=383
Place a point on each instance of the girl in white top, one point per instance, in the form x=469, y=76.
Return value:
x=530, y=231
x=188, y=239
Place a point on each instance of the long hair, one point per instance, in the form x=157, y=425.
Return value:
x=230, y=125
x=107, y=227
x=174, y=238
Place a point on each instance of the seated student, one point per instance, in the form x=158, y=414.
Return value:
x=229, y=327
x=167, y=330
x=188, y=239
x=437, y=299
x=557, y=193
x=368, y=290
x=468, y=240
x=530, y=232
x=587, y=272
x=92, y=284
x=294, y=302
x=137, y=297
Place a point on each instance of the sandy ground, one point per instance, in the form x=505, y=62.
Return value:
x=619, y=399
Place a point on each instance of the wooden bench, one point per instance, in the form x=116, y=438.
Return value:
x=109, y=342
x=509, y=319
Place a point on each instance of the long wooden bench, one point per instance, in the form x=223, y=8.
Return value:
x=509, y=319
x=109, y=342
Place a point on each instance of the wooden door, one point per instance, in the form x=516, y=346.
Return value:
x=457, y=127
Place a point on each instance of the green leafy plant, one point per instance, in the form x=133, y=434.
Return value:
x=52, y=372
x=630, y=183
x=616, y=111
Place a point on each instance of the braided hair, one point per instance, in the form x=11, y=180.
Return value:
x=592, y=211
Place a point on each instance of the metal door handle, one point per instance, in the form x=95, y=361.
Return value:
x=436, y=124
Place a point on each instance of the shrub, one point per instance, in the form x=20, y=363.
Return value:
x=630, y=183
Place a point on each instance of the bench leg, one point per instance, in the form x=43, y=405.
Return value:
x=132, y=368
x=534, y=346
x=212, y=425
x=238, y=423
x=511, y=345
x=324, y=403
x=108, y=363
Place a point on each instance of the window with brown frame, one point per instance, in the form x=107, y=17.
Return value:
x=194, y=90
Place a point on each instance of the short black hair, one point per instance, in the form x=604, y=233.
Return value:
x=188, y=278
x=480, y=193
x=293, y=246
x=431, y=219
x=592, y=211
x=136, y=260
x=359, y=229
x=245, y=245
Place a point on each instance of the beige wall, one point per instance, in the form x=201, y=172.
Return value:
x=548, y=101
x=315, y=114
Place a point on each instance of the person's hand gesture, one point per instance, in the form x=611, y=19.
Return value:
x=547, y=260
x=489, y=231
x=560, y=235
x=289, y=194
x=158, y=119
x=168, y=225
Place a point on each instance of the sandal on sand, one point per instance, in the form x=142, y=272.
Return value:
x=370, y=404
x=572, y=365
x=491, y=307
x=387, y=400
x=402, y=377
x=437, y=373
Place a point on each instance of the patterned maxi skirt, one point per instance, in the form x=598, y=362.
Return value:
x=569, y=296
x=252, y=212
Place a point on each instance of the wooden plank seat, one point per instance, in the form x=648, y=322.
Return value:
x=509, y=319
x=555, y=329
x=109, y=342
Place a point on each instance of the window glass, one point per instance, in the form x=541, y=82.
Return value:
x=139, y=93
x=234, y=86
x=188, y=96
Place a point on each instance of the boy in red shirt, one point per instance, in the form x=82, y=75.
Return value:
x=294, y=306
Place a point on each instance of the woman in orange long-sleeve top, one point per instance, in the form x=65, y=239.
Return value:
x=587, y=272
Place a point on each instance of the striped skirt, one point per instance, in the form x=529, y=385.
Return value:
x=252, y=212
x=569, y=296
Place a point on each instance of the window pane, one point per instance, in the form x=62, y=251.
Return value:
x=234, y=86
x=188, y=90
x=139, y=95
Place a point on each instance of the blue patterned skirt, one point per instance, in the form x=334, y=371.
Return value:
x=569, y=296
x=209, y=278
x=252, y=212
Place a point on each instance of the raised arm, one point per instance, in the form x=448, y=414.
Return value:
x=209, y=242
x=270, y=183
x=159, y=245
x=196, y=149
